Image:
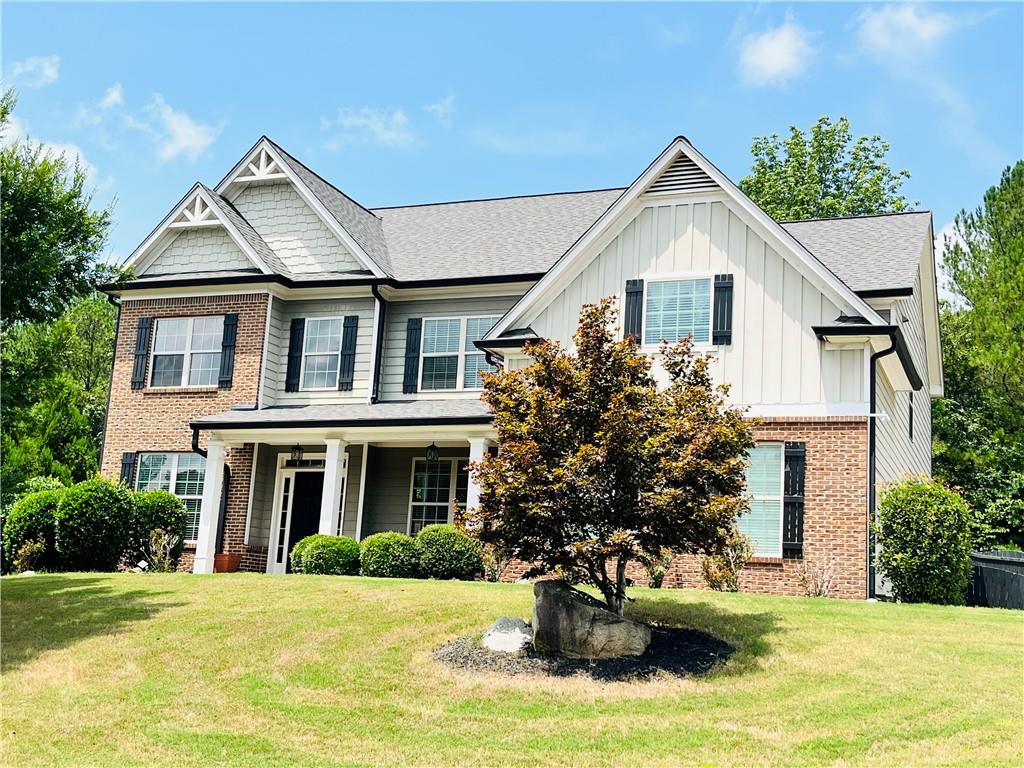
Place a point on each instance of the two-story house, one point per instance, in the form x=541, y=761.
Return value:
x=289, y=362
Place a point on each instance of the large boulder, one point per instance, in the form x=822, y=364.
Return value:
x=567, y=622
x=508, y=635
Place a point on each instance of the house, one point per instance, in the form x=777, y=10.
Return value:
x=289, y=361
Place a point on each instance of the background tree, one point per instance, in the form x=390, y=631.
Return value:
x=823, y=173
x=598, y=466
x=51, y=233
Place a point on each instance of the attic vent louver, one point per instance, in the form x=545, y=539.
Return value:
x=682, y=176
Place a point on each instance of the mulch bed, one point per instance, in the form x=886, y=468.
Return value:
x=673, y=651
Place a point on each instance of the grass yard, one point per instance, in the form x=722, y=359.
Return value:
x=133, y=669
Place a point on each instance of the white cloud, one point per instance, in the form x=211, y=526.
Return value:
x=384, y=127
x=35, y=71
x=175, y=132
x=114, y=97
x=443, y=109
x=775, y=56
x=902, y=31
x=18, y=130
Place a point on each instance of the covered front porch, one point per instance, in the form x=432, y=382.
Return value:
x=274, y=476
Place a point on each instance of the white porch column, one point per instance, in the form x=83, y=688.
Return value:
x=477, y=451
x=209, y=512
x=334, y=480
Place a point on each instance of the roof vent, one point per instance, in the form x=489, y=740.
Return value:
x=682, y=176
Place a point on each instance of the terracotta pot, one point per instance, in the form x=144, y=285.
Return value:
x=225, y=563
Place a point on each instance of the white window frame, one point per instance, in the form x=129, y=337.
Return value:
x=454, y=462
x=174, y=456
x=781, y=498
x=186, y=365
x=462, y=352
x=302, y=365
x=674, y=277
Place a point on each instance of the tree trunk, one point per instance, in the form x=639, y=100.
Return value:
x=618, y=603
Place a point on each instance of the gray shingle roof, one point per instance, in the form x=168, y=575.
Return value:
x=513, y=235
x=471, y=410
x=245, y=229
x=868, y=253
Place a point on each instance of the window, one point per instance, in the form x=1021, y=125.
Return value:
x=321, y=351
x=180, y=473
x=763, y=523
x=186, y=351
x=449, y=359
x=677, y=308
x=434, y=485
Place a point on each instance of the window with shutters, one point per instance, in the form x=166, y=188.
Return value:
x=763, y=523
x=434, y=485
x=179, y=473
x=676, y=308
x=187, y=351
x=321, y=353
x=448, y=358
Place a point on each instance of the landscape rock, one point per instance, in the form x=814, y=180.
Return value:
x=508, y=635
x=567, y=622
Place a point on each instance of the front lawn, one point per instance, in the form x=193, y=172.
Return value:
x=245, y=669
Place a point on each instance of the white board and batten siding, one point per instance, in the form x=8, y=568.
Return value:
x=293, y=230
x=393, y=366
x=775, y=358
x=278, y=337
x=199, y=250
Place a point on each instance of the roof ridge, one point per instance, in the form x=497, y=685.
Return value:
x=495, y=199
x=858, y=216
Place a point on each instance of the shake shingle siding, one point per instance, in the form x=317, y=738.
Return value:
x=200, y=250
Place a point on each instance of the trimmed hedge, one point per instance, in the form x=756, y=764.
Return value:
x=391, y=555
x=157, y=509
x=95, y=524
x=924, y=530
x=30, y=518
x=326, y=555
x=445, y=552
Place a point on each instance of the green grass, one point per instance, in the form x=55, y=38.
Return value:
x=134, y=669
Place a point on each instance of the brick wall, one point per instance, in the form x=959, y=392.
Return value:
x=835, y=514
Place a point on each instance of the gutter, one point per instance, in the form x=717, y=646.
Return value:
x=894, y=333
x=378, y=356
x=408, y=421
x=110, y=383
x=872, y=431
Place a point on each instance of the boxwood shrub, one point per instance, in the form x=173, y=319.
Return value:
x=32, y=517
x=157, y=509
x=388, y=554
x=445, y=552
x=924, y=530
x=95, y=525
x=326, y=555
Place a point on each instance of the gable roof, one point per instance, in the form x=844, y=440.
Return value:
x=245, y=229
x=868, y=253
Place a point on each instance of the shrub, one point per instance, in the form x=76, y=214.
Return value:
x=330, y=555
x=657, y=568
x=817, y=577
x=160, y=554
x=157, y=510
x=29, y=555
x=32, y=518
x=924, y=531
x=445, y=552
x=722, y=570
x=95, y=525
x=388, y=554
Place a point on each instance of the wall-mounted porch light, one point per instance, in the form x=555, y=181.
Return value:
x=433, y=453
x=297, y=453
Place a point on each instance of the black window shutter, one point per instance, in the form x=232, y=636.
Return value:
x=793, y=501
x=413, y=328
x=141, y=352
x=721, y=332
x=295, y=338
x=347, y=365
x=633, y=321
x=128, y=469
x=227, y=350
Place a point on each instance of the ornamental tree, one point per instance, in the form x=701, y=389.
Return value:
x=598, y=465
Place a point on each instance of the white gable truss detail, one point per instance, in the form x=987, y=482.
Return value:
x=232, y=185
x=625, y=207
x=262, y=167
x=196, y=210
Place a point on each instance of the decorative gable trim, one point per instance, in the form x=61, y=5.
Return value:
x=275, y=167
x=196, y=210
x=559, y=276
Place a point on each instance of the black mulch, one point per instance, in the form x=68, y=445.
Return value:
x=675, y=651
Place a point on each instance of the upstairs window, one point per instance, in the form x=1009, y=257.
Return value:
x=183, y=475
x=186, y=351
x=763, y=523
x=449, y=360
x=321, y=352
x=674, y=309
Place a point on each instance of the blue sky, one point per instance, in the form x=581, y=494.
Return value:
x=399, y=104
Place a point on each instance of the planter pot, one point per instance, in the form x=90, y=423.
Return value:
x=224, y=563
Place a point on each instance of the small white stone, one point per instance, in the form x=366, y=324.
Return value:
x=27, y=573
x=508, y=635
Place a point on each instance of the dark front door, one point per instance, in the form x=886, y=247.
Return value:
x=309, y=490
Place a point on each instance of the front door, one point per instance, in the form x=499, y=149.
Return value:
x=309, y=491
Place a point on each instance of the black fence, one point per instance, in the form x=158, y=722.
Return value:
x=998, y=579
